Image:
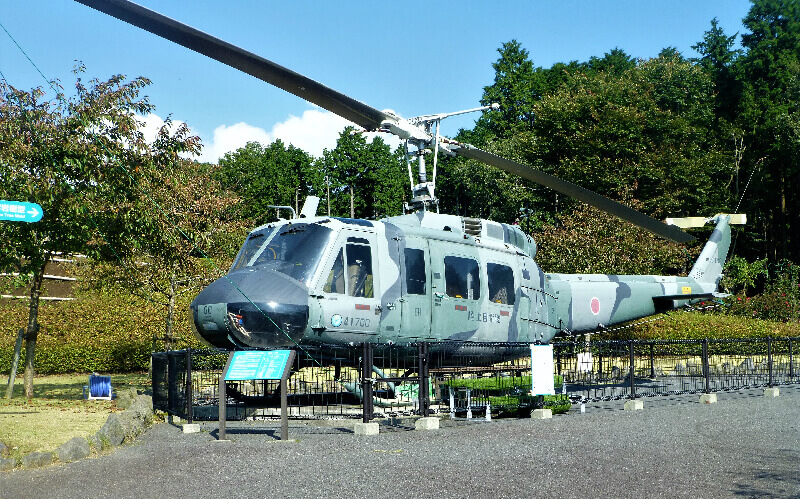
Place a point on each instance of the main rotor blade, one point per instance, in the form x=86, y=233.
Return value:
x=224, y=52
x=577, y=192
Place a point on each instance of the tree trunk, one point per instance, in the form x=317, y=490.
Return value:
x=168, y=333
x=32, y=331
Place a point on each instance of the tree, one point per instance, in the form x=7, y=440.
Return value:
x=262, y=176
x=718, y=58
x=515, y=88
x=366, y=177
x=643, y=135
x=82, y=159
x=770, y=112
x=589, y=241
x=615, y=62
x=194, y=240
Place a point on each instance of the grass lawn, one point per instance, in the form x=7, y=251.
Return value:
x=57, y=412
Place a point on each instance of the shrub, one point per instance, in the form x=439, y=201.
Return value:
x=100, y=332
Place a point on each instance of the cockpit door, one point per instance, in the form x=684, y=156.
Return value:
x=350, y=301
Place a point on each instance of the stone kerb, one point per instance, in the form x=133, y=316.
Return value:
x=120, y=427
x=74, y=449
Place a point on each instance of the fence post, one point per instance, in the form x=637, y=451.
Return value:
x=632, y=368
x=769, y=359
x=189, y=397
x=558, y=359
x=599, y=359
x=705, y=366
x=424, y=381
x=791, y=360
x=652, y=361
x=366, y=382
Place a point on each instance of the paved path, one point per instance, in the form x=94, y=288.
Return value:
x=745, y=445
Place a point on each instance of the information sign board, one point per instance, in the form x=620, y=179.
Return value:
x=19, y=211
x=542, y=370
x=257, y=365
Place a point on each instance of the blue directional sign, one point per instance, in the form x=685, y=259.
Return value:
x=257, y=365
x=18, y=211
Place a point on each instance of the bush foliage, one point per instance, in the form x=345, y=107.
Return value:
x=98, y=332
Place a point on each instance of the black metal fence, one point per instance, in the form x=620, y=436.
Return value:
x=467, y=379
x=606, y=370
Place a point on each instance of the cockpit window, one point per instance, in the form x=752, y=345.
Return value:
x=254, y=242
x=294, y=250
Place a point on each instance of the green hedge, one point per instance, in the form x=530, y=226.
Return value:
x=98, y=332
x=685, y=325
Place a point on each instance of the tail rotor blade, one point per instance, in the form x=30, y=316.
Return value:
x=577, y=192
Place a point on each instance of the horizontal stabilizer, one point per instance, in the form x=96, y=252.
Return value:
x=690, y=222
x=693, y=296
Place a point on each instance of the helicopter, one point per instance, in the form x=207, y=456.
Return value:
x=422, y=276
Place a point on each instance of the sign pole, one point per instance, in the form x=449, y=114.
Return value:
x=222, y=399
x=247, y=365
x=284, y=396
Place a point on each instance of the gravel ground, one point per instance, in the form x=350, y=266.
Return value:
x=745, y=445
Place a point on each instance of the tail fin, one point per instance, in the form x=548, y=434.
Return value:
x=708, y=267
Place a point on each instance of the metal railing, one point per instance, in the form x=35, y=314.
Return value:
x=605, y=370
x=467, y=379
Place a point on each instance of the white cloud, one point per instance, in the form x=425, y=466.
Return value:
x=312, y=132
x=151, y=123
x=229, y=138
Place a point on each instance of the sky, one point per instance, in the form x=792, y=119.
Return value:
x=414, y=57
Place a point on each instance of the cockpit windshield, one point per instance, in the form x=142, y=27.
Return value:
x=254, y=242
x=294, y=250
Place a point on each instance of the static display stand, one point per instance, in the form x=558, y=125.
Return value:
x=256, y=365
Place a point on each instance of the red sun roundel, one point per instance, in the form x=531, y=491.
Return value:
x=595, y=306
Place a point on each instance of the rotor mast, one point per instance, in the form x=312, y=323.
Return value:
x=423, y=196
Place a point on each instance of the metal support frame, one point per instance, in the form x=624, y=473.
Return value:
x=188, y=385
x=366, y=383
x=769, y=362
x=632, y=373
x=706, y=368
x=424, y=381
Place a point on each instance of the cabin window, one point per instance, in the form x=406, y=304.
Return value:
x=335, y=282
x=359, y=270
x=415, y=271
x=462, y=279
x=501, y=283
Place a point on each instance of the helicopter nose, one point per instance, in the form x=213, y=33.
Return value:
x=252, y=308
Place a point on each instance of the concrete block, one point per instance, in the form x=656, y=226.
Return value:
x=427, y=424
x=542, y=414
x=708, y=398
x=634, y=405
x=366, y=428
x=772, y=392
x=191, y=428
